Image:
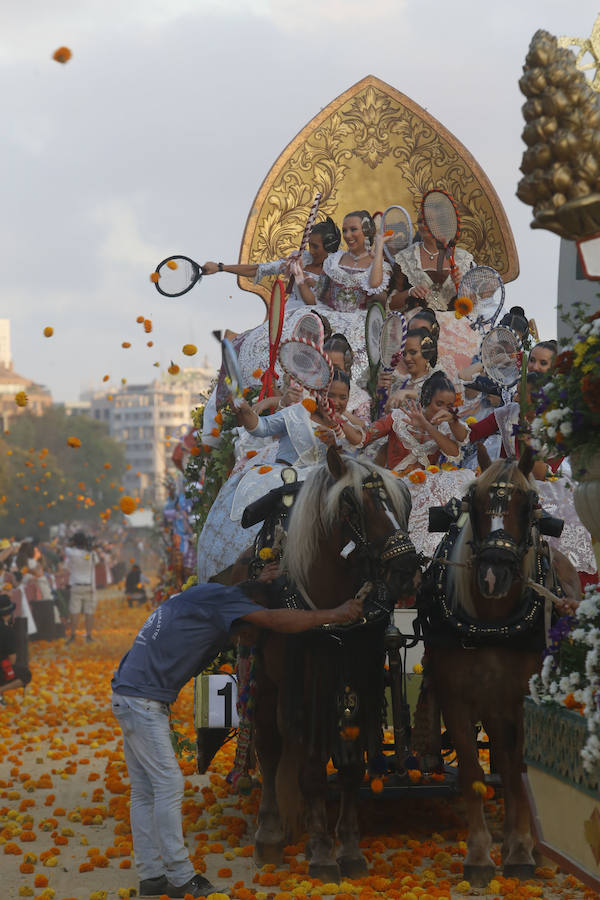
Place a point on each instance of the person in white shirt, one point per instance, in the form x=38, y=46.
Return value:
x=80, y=563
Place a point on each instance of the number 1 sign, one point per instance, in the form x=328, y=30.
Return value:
x=215, y=699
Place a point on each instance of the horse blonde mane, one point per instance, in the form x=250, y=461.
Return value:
x=317, y=508
x=459, y=587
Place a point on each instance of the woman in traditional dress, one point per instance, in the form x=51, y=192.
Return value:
x=427, y=286
x=341, y=354
x=324, y=238
x=419, y=436
x=299, y=432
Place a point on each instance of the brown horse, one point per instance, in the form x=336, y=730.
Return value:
x=320, y=695
x=485, y=633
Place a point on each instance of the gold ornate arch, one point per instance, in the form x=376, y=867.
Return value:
x=369, y=148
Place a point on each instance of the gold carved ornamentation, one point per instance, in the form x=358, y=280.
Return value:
x=369, y=148
x=561, y=165
x=589, y=45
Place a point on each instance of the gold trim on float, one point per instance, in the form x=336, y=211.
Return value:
x=369, y=148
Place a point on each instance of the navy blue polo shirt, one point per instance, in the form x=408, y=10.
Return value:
x=179, y=639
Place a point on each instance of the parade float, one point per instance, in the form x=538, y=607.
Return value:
x=562, y=183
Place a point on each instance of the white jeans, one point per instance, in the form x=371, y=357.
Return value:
x=156, y=789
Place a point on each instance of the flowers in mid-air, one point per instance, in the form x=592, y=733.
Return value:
x=189, y=349
x=21, y=398
x=62, y=55
x=73, y=442
x=48, y=331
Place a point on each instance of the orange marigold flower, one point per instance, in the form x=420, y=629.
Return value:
x=139, y=320
x=417, y=477
x=309, y=404
x=462, y=306
x=219, y=418
x=171, y=264
x=126, y=345
x=106, y=377
x=433, y=469
x=350, y=732
x=224, y=873
x=147, y=325
x=173, y=369
x=125, y=864
x=189, y=349
x=257, y=373
x=215, y=432
x=195, y=451
x=127, y=504
x=251, y=453
x=26, y=868
x=86, y=867
x=40, y=880
x=73, y=442
x=376, y=785
x=48, y=331
x=154, y=277
x=21, y=398
x=479, y=788
x=62, y=55
x=264, y=469
x=149, y=343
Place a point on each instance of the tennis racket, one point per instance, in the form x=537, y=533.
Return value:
x=373, y=325
x=306, y=234
x=276, y=312
x=309, y=366
x=391, y=342
x=441, y=219
x=485, y=289
x=396, y=220
x=233, y=375
x=309, y=327
x=176, y=275
x=501, y=356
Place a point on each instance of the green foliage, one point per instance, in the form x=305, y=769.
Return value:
x=46, y=481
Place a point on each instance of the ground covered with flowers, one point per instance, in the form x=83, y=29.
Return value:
x=64, y=823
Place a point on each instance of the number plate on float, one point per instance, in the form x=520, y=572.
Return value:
x=215, y=699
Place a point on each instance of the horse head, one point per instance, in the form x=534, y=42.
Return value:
x=501, y=507
x=373, y=525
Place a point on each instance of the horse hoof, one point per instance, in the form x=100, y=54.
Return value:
x=326, y=872
x=479, y=876
x=522, y=871
x=353, y=867
x=266, y=854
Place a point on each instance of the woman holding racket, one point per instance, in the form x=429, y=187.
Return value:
x=358, y=275
x=309, y=282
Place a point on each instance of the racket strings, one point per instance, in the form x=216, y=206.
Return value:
x=440, y=217
x=392, y=340
x=175, y=280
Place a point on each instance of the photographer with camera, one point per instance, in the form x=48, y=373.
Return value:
x=12, y=675
x=80, y=563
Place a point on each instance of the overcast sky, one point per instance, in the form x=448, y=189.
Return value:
x=155, y=137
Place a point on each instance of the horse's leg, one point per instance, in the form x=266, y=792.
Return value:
x=479, y=867
x=507, y=736
x=269, y=838
x=313, y=783
x=350, y=859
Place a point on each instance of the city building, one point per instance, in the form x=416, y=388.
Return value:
x=149, y=419
x=39, y=398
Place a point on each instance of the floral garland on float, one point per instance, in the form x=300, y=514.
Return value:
x=567, y=420
x=570, y=675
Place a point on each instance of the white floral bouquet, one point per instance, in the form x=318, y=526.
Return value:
x=570, y=674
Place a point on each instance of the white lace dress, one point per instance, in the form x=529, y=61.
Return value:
x=223, y=539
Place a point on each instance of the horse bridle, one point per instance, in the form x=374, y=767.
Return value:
x=499, y=539
x=376, y=553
